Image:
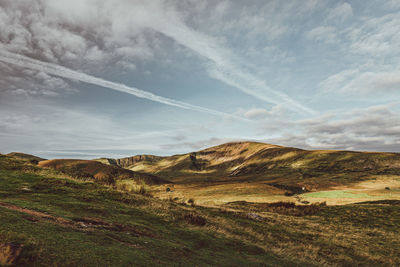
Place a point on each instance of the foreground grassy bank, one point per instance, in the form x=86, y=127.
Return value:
x=48, y=219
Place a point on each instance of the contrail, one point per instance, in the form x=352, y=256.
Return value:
x=53, y=69
x=222, y=68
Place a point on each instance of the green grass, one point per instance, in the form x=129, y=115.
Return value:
x=337, y=194
x=166, y=240
x=148, y=231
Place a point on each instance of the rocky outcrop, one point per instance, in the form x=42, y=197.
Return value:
x=130, y=161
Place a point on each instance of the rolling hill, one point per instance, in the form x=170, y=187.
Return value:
x=254, y=171
x=23, y=156
x=94, y=170
x=258, y=161
x=48, y=218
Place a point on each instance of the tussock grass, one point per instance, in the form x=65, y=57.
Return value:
x=194, y=219
x=281, y=207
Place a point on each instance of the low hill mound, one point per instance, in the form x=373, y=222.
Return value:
x=23, y=156
x=89, y=169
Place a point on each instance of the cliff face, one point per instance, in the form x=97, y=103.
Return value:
x=130, y=161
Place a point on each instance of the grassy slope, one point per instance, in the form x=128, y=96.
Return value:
x=152, y=231
x=98, y=171
x=23, y=156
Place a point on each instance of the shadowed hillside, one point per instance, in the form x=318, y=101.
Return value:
x=94, y=170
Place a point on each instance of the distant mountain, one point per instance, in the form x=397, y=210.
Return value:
x=253, y=161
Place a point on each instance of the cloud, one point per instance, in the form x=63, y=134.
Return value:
x=325, y=34
x=197, y=145
x=93, y=37
x=60, y=71
x=256, y=113
x=38, y=127
x=15, y=80
x=377, y=36
x=220, y=62
x=356, y=81
x=374, y=128
x=341, y=12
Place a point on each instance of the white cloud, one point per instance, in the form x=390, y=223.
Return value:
x=325, y=34
x=374, y=128
x=341, y=12
x=356, y=81
x=92, y=37
x=376, y=37
x=256, y=113
x=31, y=82
x=57, y=70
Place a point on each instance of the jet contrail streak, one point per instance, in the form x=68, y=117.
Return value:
x=53, y=69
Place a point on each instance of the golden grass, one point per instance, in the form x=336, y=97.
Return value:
x=8, y=253
x=218, y=193
x=372, y=189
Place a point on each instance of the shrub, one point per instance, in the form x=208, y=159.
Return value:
x=140, y=189
x=132, y=187
x=191, y=201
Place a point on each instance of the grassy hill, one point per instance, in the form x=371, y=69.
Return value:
x=262, y=172
x=48, y=218
x=94, y=170
x=23, y=156
x=265, y=161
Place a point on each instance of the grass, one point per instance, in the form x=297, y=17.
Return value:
x=338, y=194
x=166, y=237
x=107, y=227
x=281, y=207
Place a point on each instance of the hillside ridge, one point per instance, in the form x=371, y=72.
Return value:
x=252, y=161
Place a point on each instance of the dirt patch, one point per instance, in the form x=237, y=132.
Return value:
x=90, y=222
x=83, y=224
x=36, y=215
x=9, y=253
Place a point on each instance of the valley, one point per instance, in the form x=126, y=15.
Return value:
x=235, y=204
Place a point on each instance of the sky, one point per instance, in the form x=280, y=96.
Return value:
x=115, y=78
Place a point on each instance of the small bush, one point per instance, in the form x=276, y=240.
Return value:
x=34, y=161
x=140, y=189
x=191, y=201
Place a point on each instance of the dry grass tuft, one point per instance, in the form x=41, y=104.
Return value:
x=9, y=253
x=290, y=208
x=281, y=207
x=195, y=219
